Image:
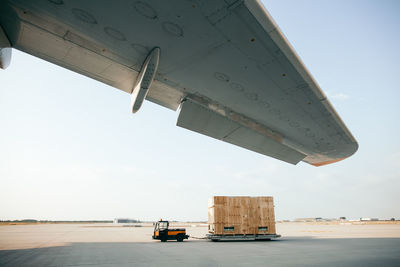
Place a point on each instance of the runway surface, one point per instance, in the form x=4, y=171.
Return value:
x=106, y=245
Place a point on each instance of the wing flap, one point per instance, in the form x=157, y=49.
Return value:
x=198, y=118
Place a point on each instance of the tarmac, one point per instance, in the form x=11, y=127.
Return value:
x=302, y=244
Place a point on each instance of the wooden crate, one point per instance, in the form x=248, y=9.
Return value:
x=241, y=215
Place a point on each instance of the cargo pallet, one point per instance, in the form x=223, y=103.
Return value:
x=213, y=237
x=241, y=218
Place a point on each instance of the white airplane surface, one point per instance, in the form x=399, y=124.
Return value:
x=224, y=63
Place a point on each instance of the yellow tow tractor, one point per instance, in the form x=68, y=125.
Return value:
x=163, y=233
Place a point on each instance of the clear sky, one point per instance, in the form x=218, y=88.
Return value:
x=70, y=148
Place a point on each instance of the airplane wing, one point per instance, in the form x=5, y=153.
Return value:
x=224, y=63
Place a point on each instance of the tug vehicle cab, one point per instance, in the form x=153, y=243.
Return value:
x=163, y=232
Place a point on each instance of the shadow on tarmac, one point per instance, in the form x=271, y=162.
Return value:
x=298, y=251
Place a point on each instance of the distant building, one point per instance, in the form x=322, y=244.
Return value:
x=316, y=219
x=125, y=220
x=365, y=219
x=305, y=220
x=369, y=219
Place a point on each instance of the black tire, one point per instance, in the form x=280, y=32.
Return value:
x=179, y=238
x=163, y=240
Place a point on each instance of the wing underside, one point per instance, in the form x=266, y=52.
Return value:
x=225, y=62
